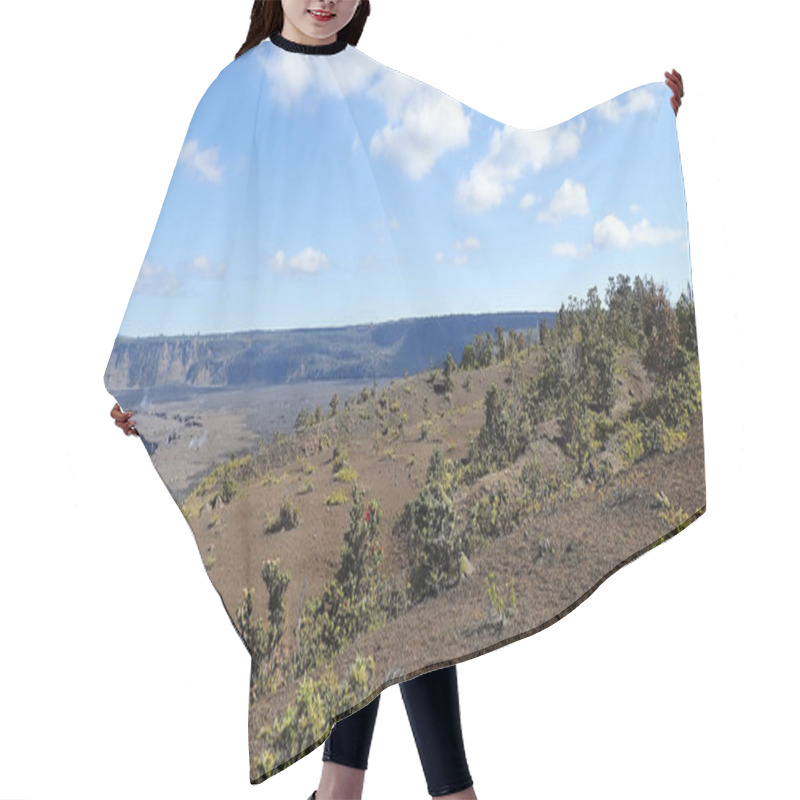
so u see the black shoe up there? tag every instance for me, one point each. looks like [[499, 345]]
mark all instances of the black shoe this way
[[313, 795]]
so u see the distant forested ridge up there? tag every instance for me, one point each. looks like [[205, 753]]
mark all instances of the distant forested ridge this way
[[372, 350]]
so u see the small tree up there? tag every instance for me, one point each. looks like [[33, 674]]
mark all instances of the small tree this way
[[303, 419], [661, 330], [434, 546], [501, 343], [544, 331], [469, 359], [448, 369], [504, 434]]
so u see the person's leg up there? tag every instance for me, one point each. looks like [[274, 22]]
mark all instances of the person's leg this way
[[433, 710], [345, 755]]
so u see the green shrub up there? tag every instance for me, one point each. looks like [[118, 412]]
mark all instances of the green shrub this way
[[424, 428], [531, 475], [493, 515], [336, 498], [306, 720], [441, 470], [286, 519], [631, 442], [264, 643], [433, 545], [346, 474], [228, 488], [355, 600], [500, 612], [677, 399], [578, 425], [504, 435]]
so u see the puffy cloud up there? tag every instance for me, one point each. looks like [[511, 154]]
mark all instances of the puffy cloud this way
[[512, 153], [424, 124], [153, 279], [202, 267], [612, 233], [637, 100], [202, 163], [469, 243], [309, 260], [570, 250], [292, 78], [569, 200], [462, 248]]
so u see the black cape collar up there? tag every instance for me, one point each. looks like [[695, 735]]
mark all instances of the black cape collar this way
[[311, 49]]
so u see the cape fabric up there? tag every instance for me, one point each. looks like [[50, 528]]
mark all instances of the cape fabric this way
[[419, 381]]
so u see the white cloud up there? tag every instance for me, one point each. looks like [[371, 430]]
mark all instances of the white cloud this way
[[309, 260], [423, 125], [203, 267], [569, 200], [291, 78], [637, 100], [527, 200], [570, 250], [153, 279], [644, 233], [354, 75], [512, 152], [201, 162], [469, 243], [612, 233], [463, 248]]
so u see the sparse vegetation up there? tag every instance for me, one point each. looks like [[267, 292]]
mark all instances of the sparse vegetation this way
[[500, 613], [551, 410], [286, 519], [428, 525], [345, 474], [306, 720], [264, 642], [356, 599], [336, 498], [503, 437]]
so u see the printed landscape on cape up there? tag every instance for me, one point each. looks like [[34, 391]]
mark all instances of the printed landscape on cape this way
[[419, 381]]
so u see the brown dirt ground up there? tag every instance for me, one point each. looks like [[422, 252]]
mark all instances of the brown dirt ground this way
[[592, 535]]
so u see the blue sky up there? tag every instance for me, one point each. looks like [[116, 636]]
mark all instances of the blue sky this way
[[316, 190]]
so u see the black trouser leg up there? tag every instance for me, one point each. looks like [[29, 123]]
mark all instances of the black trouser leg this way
[[351, 737], [433, 710], [432, 706]]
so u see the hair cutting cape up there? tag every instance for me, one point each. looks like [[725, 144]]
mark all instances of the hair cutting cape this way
[[419, 381]]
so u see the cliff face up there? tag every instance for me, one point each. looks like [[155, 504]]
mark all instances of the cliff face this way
[[277, 357], [156, 361]]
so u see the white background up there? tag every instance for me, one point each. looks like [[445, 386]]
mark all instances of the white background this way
[[120, 674]]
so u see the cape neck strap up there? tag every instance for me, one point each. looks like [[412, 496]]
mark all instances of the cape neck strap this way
[[311, 49]]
